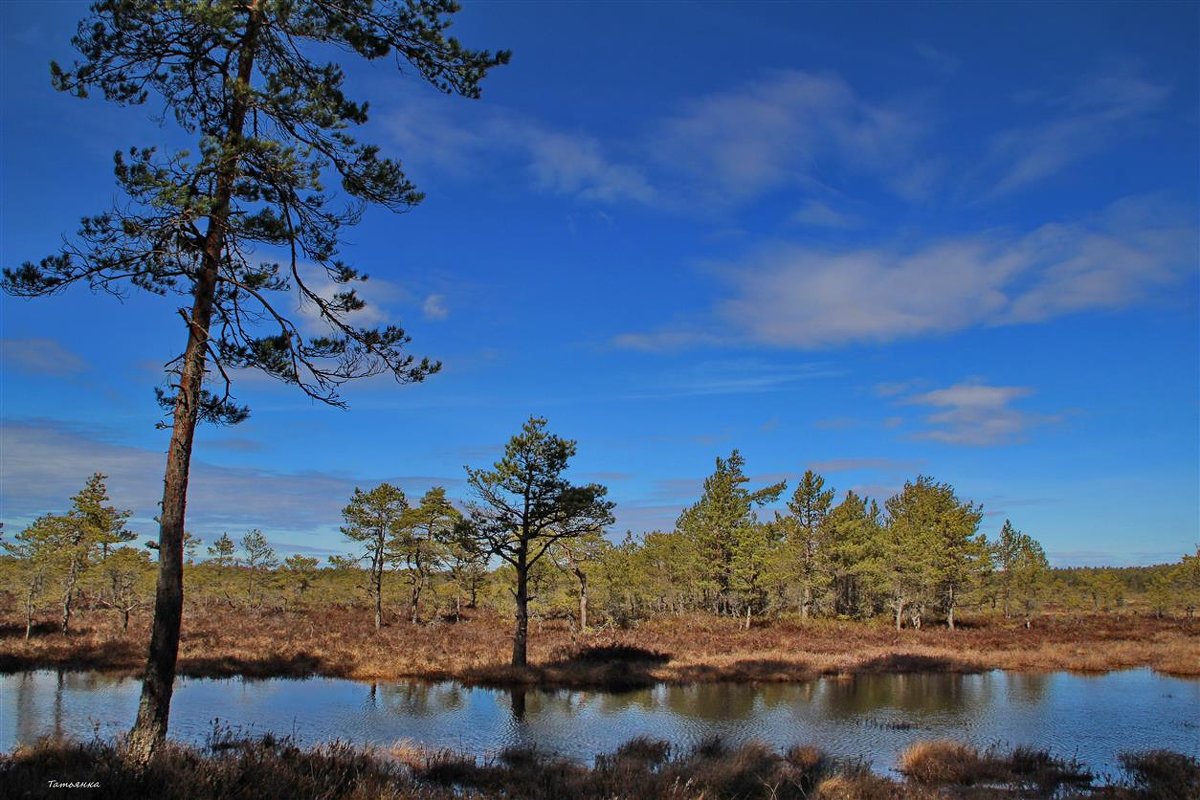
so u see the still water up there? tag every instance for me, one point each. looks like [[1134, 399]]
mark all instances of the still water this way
[[1092, 718]]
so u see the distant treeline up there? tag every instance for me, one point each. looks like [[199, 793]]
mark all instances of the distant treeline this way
[[919, 557]]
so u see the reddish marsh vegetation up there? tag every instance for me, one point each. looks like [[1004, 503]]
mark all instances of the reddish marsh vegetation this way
[[270, 768], [341, 642]]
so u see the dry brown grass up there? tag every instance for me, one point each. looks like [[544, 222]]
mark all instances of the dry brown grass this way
[[939, 761], [338, 642], [273, 769]]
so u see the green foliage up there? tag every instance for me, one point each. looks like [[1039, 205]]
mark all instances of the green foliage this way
[[38, 551], [525, 505], [581, 558], [466, 564], [272, 128], [259, 565], [125, 581], [854, 553], [222, 552], [101, 526], [668, 566], [803, 561], [727, 535], [1022, 570], [421, 543], [299, 573], [933, 553], [1186, 580], [374, 519]]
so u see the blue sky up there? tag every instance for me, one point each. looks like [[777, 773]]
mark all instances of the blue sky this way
[[871, 240]]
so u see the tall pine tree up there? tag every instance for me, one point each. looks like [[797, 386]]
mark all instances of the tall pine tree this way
[[271, 125], [720, 526]]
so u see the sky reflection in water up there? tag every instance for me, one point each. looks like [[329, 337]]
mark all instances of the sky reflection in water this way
[[1092, 718]]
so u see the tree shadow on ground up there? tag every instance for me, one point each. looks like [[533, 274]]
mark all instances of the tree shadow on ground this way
[[295, 665], [746, 670], [613, 667], [914, 662]]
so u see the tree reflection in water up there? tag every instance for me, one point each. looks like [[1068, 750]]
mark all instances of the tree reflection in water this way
[[1093, 718]]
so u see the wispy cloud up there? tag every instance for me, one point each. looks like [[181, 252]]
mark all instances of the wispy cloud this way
[[736, 376], [769, 134], [1081, 124], [818, 214], [837, 423], [976, 414], [712, 151], [40, 357], [942, 62], [855, 464], [560, 162], [802, 297], [379, 294], [785, 131], [45, 462], [434, 307]]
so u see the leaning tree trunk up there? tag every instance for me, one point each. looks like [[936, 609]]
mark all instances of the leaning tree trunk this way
[[69, 595], [154, 708], [583, 599]]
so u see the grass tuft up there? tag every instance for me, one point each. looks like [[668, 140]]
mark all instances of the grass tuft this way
[[1163, 774]]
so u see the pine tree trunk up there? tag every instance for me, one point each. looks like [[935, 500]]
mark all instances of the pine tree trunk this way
[[899, 614], [29, 614], [69, 594], [583, 599], [521, 635], [154, 708], [416, 599], [950, 617], [377, 586]]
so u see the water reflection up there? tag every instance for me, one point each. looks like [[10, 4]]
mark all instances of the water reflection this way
[[875, 716], [517, 697]]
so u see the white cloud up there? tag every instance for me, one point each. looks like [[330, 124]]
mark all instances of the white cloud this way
[[976, 414], [803, 297], [40, 357], [378, 294], [574, 164], [434, 307]]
